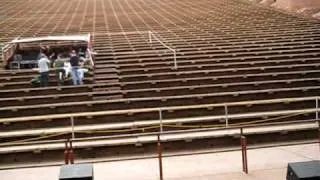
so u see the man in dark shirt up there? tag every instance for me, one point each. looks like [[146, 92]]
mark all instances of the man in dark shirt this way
[[75, 68]]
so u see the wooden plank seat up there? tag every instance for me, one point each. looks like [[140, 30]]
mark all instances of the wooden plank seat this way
[[27, 84], [44, 91], [219, 55], [159, 92], [196, 35], [55, 108], [197, 64], [216, 72], [23, 72], [191, 34], [155, 60], [167, 58], [149, 48], [242, 32], [258, 57], [203, 47], [212, 46], [227, 87], [180, 43], [19, 78], [213, 79], [54, 98]]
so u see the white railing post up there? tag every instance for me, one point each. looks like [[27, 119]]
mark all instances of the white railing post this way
[[160, 118], [2, 52], [150, 36], [317, 110], [72, 127], [175, 59], [317, 106], [226, 114]]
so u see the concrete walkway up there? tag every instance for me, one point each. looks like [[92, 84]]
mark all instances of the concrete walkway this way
[[267, 163]]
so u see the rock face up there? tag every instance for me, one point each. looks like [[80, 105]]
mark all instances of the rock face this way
[[294, 5], [317, 15], [307, 8], [267, 2]]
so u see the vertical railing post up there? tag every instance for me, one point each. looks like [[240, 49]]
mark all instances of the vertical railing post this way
[[2, 53], [150, 36], [66, 153], [159, 149], [71, 153], [175, 59], [72, 127], [317, 119], [160, 121], [226, 114], [243, 141], [319, 133], [317, 108]]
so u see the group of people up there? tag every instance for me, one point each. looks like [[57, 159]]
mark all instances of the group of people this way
[[63, 66]]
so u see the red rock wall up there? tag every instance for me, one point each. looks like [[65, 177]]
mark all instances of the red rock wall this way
[[297, 4]]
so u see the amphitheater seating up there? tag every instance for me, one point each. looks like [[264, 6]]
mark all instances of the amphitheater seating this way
[[253, 58]]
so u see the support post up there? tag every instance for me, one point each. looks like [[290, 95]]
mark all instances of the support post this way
[[72, 127], [243, 140], [319, 133], [175, 59], [226, 114], [317, 119], [317, 108], [66, 153], [150, 36], [160, 118], [159, 149], [71, 155]]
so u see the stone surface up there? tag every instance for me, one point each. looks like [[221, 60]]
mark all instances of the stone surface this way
[[298, 4], [267, 163]]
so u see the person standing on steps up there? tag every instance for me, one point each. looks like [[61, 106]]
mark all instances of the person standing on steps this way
[[43, 65], [75, 68], [60, 71]]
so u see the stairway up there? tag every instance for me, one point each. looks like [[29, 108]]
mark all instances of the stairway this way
[[106, 78]]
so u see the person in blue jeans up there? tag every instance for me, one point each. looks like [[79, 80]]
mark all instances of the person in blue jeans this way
[[43, 65], [75, 68]]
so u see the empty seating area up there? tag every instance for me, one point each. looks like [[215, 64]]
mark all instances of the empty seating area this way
[[234, 57]]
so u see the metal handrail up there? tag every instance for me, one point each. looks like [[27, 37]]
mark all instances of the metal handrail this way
[[240, 128], [152, 35], [160, 110]]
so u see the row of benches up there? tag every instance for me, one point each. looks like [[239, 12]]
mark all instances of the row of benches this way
[[105, 122]]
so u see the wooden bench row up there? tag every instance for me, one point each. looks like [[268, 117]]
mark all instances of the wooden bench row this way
[[159, 92], [148, 102], [223, 80]]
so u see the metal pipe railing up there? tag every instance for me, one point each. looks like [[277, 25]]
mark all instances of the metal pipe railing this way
[[151, 35], [136, 135]]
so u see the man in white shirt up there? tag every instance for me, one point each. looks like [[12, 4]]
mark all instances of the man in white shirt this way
[[43, 65]]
